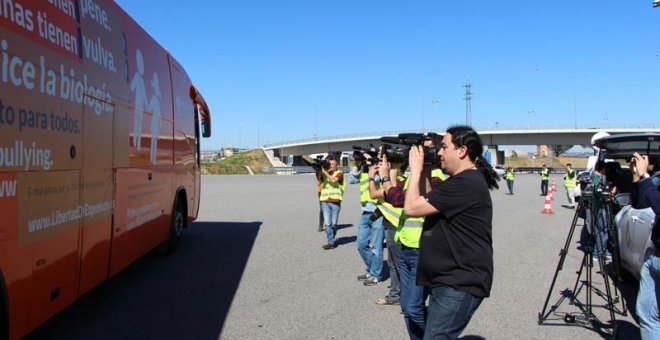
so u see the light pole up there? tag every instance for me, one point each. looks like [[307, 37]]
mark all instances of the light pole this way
[[437, 101], [316, 120], [240, 129], [575, 101], [423, 106], [258, 131]]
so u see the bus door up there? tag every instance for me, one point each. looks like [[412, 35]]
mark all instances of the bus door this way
[[97, 195]]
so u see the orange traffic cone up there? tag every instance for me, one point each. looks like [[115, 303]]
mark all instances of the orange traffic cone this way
[[547, 208], [552, 198], [553, 185]]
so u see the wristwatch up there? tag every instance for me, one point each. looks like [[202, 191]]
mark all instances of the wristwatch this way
[[385, 179], [644, 176], [371, 179]]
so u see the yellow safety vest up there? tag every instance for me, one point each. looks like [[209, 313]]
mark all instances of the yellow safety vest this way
[[545, 174], [510, 176], [332, 191], [364, 189], [391, 213], [409, 229], [570, 182]]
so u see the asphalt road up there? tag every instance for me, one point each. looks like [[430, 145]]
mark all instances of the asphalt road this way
[[252, 267]]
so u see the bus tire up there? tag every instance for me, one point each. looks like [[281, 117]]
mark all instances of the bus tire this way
[[178, 223]]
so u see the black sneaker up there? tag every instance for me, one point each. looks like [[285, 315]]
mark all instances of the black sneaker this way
[[387, 301], [364, 277], [372, 281], [328, 246]]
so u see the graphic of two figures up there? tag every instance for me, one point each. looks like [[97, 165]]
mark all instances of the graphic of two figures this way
[[142, 105]]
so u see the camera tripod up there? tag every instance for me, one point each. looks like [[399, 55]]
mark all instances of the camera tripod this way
[[586, 317]]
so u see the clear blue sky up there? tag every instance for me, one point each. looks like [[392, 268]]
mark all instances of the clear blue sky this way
[[281, 70]]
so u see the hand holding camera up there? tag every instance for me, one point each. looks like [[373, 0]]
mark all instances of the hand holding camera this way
[[639, 164]]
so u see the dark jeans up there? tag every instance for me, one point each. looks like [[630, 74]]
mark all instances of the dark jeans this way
[[393, 253], [449, 312], [544, 187], [413, 297], [509, 184]]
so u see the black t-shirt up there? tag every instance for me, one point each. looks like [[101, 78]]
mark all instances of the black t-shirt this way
[[456, 247]]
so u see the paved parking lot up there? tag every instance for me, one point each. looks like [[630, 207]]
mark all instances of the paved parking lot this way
[[252, 267]]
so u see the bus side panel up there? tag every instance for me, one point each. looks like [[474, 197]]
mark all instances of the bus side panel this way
[[143, 213], [184, 137], [15, 259], [49, 220]]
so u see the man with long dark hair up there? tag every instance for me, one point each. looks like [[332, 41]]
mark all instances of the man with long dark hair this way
[[456, 251]]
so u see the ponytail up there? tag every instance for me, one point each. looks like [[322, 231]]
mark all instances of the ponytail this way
[[488, 172]]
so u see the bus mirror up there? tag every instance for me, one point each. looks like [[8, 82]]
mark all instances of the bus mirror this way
[[206, 128], [206, 124]]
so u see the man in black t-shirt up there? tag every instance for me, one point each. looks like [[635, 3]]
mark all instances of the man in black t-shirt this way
[[456, 252]]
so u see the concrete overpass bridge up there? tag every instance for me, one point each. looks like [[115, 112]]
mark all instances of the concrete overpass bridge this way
[[560, 137]]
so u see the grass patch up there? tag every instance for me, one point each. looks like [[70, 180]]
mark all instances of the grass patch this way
[[235, 165]]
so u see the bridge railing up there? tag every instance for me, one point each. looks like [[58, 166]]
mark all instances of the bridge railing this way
[[295, 170], [479, 129]]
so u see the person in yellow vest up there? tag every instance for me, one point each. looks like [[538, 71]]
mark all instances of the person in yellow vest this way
[[407, 234], [390, 222], [332, 193], [456, 245], [545, 176], [319, 187], [570, 183], [510, 178], [370, 232]]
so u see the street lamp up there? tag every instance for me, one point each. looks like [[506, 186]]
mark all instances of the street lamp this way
[[437, 101], [258, 131], [656, 3]]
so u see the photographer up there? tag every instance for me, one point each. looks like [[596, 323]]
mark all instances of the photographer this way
[[456, 252], [648, 195], [332, 193], [596, 222], [390, 221], [408, 232], [370, 228]]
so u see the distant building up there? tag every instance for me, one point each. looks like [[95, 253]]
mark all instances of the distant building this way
[[543, 150]]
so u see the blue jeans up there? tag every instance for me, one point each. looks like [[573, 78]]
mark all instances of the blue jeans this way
[[330, 217], [449, 312], [647, 299], [413, 296], [509, 184], [393, 253], [370, 244], [544, 187]]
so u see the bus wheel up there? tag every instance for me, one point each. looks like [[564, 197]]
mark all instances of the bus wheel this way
[[176, 227]]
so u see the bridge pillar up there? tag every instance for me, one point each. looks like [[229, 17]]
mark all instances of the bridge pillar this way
[[492, 155]]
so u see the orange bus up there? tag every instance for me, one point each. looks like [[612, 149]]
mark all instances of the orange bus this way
[[99, 152]]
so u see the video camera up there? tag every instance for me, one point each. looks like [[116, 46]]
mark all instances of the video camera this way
[[319, 162], [363, 162], [399, 154]]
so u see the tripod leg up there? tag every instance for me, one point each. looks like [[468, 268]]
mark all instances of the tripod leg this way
[[562, 257], [579, 275], [608, 292]]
